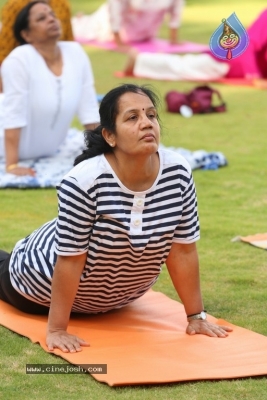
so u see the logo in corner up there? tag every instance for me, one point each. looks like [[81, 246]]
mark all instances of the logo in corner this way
[[230, 39]]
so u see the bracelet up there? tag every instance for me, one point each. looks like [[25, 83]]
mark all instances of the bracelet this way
[[11, 166], [192, 315]]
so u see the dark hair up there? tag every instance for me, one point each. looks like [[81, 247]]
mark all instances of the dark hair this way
[[22, 21], [108, 110]]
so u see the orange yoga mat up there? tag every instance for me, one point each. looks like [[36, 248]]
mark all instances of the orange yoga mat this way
[[258, 240], [146, 343]]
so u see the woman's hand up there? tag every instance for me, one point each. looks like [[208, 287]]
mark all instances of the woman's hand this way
[[121, 46], [21, 171], [64, 341], [66, 278], [207, 328]]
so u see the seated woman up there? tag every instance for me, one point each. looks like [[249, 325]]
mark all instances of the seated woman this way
[[115, 229], [9, 12], [46, 82], [127, 21], [252, 64]]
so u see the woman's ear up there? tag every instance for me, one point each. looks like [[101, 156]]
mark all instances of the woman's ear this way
[[25, 35], [109, 137]]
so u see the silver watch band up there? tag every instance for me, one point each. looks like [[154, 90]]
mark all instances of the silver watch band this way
[[201, 316]]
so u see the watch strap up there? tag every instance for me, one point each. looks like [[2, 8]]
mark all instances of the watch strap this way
[[192, 315], [202, 316]]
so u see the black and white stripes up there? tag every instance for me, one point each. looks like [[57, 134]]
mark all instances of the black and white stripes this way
[[127, 235]]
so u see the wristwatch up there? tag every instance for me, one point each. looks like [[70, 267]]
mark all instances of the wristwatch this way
[[201, 316]]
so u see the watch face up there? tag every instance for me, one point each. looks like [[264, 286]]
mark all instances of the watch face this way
[[203, 315]]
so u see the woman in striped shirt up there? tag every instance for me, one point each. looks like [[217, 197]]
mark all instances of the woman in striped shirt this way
[[125, 209]]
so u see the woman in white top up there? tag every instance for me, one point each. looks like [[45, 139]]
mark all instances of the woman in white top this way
[[46, 83]]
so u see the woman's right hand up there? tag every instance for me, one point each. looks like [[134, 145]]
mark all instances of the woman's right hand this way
[[65, 342], [21, 171], [65, 282]]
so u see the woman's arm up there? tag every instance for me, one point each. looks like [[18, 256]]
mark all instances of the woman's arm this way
[[16, 98], [88, 107], [174, 35], [66, 278], [183, 267], [176, 11], [12, 137], [117, 10]]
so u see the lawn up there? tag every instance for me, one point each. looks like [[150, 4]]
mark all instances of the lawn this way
[[232, 201]]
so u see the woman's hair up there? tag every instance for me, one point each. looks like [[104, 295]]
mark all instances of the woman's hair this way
[[108, 110], [22, 21]]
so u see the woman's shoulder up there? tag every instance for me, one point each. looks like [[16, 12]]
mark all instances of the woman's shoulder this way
[[21, 51], [86, 173], [170, 157], [20, 55]]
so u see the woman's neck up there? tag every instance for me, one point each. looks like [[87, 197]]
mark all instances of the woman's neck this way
[[52, 56], [137, 175]]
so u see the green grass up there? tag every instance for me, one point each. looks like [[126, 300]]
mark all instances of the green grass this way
[[232, 201]]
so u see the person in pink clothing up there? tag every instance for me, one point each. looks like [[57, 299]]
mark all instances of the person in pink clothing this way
[[252, 64], [140, 20], [126, 21]]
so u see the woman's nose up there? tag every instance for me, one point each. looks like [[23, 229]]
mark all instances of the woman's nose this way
[[51, 17], [146, 120]]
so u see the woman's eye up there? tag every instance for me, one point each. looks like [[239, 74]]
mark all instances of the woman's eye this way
[[41, 18]]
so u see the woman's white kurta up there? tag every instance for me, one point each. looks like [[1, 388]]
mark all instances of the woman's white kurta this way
[[43, 104]]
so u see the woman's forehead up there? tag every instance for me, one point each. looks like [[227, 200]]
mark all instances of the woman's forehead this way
[[132, 100], [38, 8]]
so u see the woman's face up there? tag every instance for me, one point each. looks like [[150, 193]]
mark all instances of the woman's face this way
[[43, 24], [137, 127]]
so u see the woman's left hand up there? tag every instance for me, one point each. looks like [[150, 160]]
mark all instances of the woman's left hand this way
[[207, 328]]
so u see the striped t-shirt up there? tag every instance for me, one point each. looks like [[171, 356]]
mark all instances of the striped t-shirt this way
[[127, 235]]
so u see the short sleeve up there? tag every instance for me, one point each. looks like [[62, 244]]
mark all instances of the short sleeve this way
[[76, 215], [15, 92], [187, 231]]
